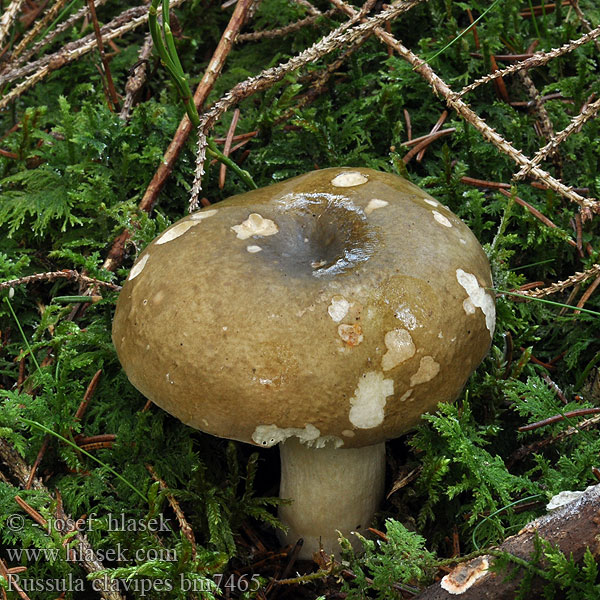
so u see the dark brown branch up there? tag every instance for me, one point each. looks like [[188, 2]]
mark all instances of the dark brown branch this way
[[573, 529]]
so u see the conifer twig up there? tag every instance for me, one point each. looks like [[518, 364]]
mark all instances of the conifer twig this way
[[560, 286], [126, 21], [30, 35], [186, 528], [54, 275], [268, 34], [136, 78], [15, 68], [537, 60], [8, 17], [588, 112]]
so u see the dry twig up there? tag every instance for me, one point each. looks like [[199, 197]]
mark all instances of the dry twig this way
[[48, 39], [560, 286], [54, 275], [8, 17], [588, 112], [537, 60], [282, 31], [126, 21], [137, 78], [213, 70]]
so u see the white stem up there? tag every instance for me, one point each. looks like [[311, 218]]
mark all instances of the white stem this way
[[331, 490]]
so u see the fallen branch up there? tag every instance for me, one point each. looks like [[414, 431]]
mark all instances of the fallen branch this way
[[8, 17], [537, 60], [126, 21], [573, 529]]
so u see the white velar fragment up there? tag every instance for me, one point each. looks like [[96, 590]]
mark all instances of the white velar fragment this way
[[403, 314], [175, 231], [374, 205], [253, 249], [478, 297], [400, 347], [432, 202], [349, 179], [203, 214], [441, 219], [257, 225], [139, 265], [368, 404], [338, 308], [428, 369], [269, 435]]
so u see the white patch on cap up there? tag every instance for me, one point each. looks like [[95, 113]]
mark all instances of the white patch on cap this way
[[139, 265], [349, 179], [338, 308], [441, 219], [432, 202], [469, 306], [478, 297], [404, 315], [462, 577], [462, 241], [203, 214], [269, 435], [406, 395], [400, 347], [348, 433], [374, 205], [255, 224], [175, 231], [253, 249], [428, 369], [367, 405], [351, 334]]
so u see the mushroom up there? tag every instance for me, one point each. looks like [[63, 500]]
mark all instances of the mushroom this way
[[326, 314]]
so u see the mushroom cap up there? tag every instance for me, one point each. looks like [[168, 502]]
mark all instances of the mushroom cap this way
[[338, 307]]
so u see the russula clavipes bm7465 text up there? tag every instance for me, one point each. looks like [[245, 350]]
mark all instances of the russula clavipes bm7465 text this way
[[326, 314]]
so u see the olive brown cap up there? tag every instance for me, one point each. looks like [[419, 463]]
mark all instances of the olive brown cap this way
[[336, 308]]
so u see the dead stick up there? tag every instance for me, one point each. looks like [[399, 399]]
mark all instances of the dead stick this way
[[556, 418], [573, 529], [89, 392], [227, 147], [113, 99], [54, 275]]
